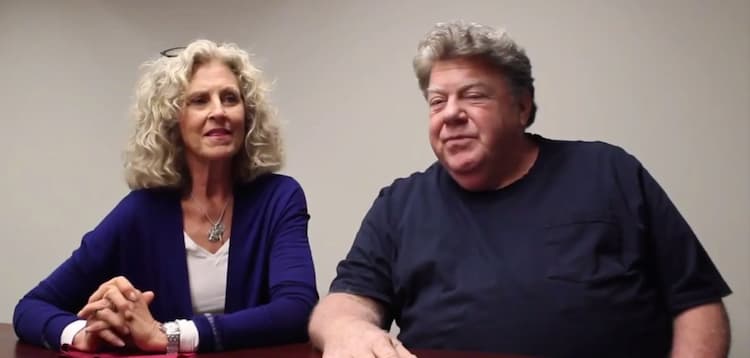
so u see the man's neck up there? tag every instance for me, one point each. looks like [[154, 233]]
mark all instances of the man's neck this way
[[511, 168], [510, 164]]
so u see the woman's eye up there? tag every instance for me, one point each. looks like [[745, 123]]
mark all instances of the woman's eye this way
[[198, 100], [232, 99]]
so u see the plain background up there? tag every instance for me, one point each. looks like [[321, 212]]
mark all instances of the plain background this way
[[667, 80]]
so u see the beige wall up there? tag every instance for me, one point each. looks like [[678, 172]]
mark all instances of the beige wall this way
[[667, 80]]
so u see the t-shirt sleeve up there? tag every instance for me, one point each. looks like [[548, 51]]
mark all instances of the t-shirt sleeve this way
[[683, 269], [367, 268]]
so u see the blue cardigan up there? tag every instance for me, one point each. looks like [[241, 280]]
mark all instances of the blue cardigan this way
[[270, 279]]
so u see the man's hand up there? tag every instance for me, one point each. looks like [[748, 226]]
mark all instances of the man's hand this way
[[361, 339], [344, 325]]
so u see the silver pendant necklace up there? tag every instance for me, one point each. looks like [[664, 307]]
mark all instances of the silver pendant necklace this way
[[216, 232]]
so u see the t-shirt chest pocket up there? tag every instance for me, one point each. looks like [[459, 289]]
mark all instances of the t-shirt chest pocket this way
[[584, 248]]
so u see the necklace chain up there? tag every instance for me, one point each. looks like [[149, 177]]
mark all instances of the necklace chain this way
[[216, 232]]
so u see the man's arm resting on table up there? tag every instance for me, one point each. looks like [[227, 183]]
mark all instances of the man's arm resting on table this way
[[701, 331], [338, 312]]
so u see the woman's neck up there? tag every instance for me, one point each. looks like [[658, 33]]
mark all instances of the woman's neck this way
[[211, 182]]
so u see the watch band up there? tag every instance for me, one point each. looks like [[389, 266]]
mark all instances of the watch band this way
[[172, 331]]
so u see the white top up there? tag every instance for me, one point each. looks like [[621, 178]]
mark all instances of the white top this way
[[207, 274]]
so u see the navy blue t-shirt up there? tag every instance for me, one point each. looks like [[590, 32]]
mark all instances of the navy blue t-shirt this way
[[583, 256]]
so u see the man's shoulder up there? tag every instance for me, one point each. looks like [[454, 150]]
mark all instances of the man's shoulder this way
[[582, 146], [587, 151], [416, 182]]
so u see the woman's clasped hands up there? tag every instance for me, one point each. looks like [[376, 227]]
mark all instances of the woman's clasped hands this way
[[117, 314]]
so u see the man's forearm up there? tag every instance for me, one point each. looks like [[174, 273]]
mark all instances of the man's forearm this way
[[701, 331], [336, 310]]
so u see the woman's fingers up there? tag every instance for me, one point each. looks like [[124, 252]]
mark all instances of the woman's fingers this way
[[107, 319], [401, 350], [91, 308], [120, 283], [118, 300], [112, 299], [95, 326], [110, 337]]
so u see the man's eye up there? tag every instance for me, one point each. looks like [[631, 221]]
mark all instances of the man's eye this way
[[475, 95]]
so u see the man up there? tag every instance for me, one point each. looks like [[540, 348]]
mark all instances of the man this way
[[516, 243]]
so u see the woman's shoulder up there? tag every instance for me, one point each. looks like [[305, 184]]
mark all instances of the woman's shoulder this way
[[150, 196], [140, 200], [272, 182], [269, 188]]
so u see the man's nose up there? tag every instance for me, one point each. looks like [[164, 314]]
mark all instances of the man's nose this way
[[453, 112]]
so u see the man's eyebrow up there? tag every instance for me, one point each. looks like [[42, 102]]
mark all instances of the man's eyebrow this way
[[476, 84], [433, 90]]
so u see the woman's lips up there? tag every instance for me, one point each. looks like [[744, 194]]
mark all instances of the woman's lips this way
[[218, 132]]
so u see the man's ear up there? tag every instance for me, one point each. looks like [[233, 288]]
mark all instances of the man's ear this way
[[524, 103]]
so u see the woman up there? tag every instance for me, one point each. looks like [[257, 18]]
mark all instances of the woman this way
[[209, 251]]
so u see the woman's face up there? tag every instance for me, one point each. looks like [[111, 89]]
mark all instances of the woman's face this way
[[212, 119]]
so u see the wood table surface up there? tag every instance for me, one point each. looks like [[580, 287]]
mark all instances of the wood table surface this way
[[11, 347]]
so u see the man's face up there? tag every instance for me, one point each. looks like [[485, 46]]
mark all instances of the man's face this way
[[473, 113]]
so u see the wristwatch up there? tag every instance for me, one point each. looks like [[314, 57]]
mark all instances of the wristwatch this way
[[172, 330]]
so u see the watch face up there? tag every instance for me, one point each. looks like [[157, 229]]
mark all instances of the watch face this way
[[172, 331], [170, 328]]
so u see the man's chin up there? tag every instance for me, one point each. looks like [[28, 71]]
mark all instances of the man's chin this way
[[471, 180], [461, 166]]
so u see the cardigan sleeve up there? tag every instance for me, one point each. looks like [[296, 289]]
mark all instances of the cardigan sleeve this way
[[292, 291], [41, 315]]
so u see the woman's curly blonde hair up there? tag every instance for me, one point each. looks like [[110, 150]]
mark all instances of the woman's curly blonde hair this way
[[155, 152]]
